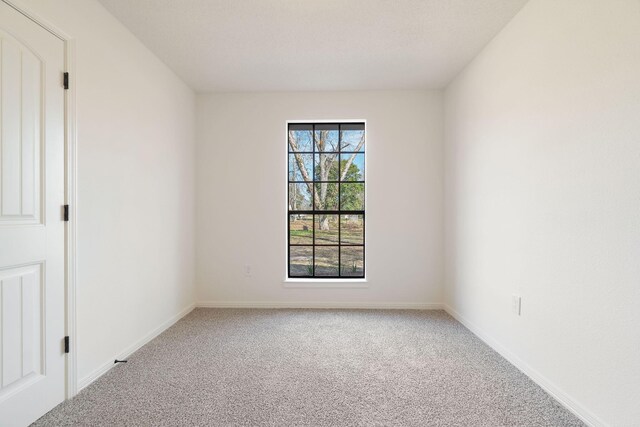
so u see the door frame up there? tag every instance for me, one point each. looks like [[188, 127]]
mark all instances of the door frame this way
[[70, 191]]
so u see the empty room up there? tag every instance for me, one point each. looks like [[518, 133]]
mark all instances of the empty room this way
[[320, 213]]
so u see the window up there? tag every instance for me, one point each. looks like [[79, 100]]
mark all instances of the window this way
[[326, 216]]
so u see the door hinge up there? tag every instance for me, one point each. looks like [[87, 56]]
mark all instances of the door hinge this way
[[66, 344], [66, 80], [66, 212]]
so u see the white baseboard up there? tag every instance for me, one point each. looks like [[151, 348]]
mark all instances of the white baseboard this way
[[328, 305], [547, 385], [102, 369]]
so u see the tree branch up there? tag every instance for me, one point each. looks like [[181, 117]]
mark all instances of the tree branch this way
[[353, 156], [302, 167]]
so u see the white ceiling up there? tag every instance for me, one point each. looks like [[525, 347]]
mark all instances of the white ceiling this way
[[272, 45]]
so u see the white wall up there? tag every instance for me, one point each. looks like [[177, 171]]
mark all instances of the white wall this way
[[241, 213], [542, 198], [136, 155]]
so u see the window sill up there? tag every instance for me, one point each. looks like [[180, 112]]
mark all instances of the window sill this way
[[325, 283]]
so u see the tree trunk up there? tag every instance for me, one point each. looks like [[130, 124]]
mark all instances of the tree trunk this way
[[324, 223]]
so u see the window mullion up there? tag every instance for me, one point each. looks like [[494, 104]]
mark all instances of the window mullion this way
[[339, 203], [313, 200]]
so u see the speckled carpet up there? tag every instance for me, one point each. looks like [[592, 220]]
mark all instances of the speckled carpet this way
[[233, 367]]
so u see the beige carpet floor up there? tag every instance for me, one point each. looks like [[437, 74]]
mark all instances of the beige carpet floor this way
[[233, 367]]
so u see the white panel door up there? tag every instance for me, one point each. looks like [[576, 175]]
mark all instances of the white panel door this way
[[32, 359]]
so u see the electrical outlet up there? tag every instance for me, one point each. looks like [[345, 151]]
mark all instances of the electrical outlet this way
[[247, 270], [516, 304]]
